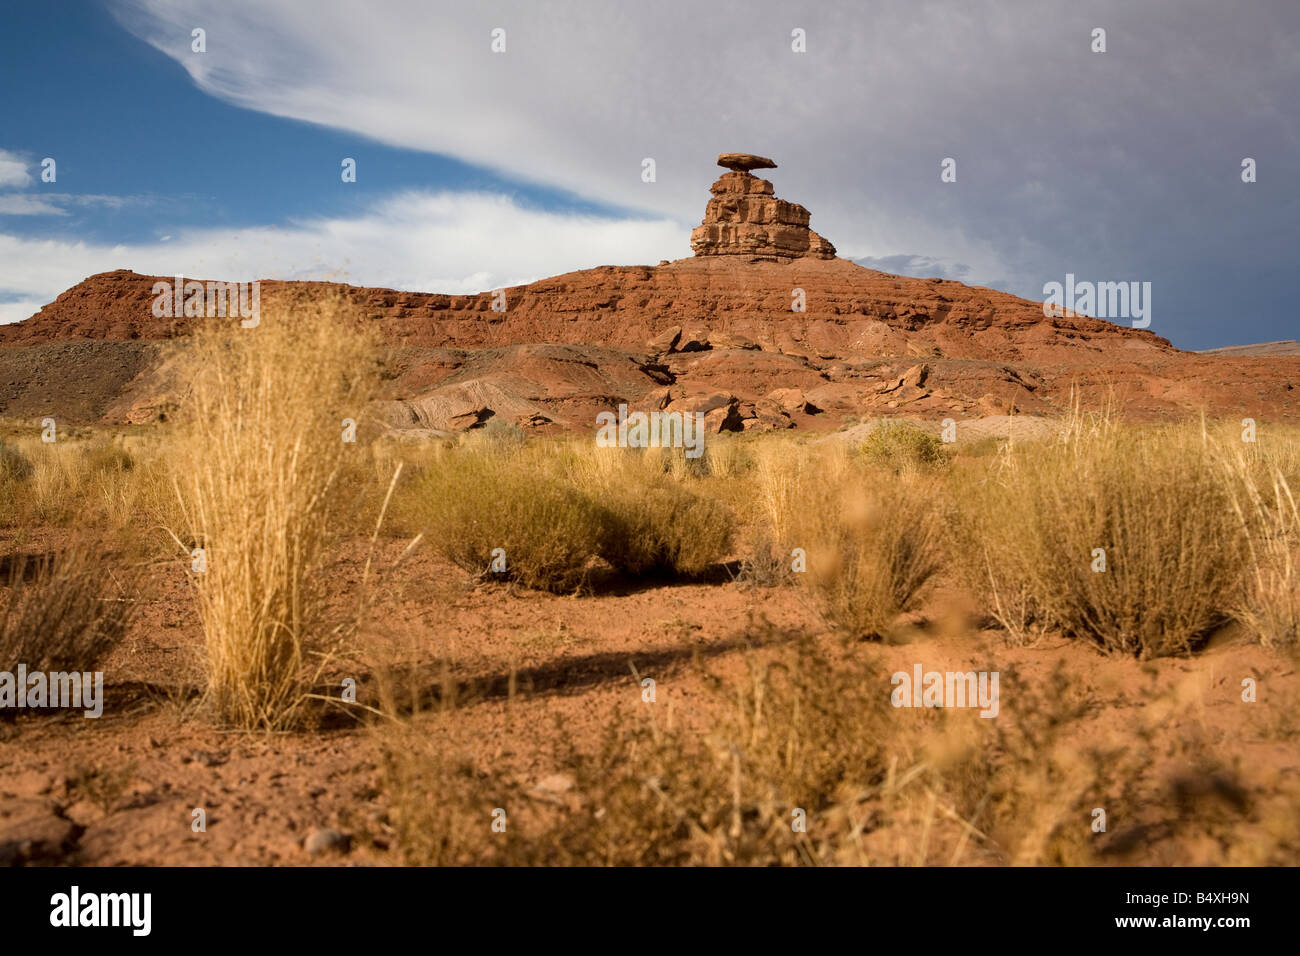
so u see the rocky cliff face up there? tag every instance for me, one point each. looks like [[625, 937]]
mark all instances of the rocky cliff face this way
[[744, 217], [846, 310]]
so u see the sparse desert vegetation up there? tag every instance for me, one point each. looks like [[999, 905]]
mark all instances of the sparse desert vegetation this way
[[769, 591], [499, 602], [1122, 536], [64, 611]]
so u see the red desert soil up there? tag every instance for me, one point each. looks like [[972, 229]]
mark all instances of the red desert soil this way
[[571, 658]]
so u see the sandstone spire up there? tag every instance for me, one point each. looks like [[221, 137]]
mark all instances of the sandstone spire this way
[[744, 217]]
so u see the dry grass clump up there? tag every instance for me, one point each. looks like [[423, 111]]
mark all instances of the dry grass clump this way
[[654, 523], [255, 472], [554, 509], [1149, 506], [1266, 505], [62, 612], [868, 540], [663, 527], [773, 501], [80, 479], [477, 500], [872, 547], [15, 469], [785, 474], [14, 466], [902, 446]]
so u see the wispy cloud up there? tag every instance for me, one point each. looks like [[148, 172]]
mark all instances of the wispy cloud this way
[[14, 174], [920, 266], [18, 204], [56, 204]]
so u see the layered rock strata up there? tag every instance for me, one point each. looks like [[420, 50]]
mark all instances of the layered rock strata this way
[[745, 218]]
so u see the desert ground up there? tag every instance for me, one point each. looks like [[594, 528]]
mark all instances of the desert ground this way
[[503, 715]]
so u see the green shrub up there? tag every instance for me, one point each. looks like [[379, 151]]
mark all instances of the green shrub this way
[[901, 445], [473, 502], [664, 527]]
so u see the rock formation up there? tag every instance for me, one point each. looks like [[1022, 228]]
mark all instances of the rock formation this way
[[744, 217], [714, 332]]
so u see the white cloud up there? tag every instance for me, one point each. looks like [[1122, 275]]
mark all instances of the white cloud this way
[[19, 309], [13, 171], [17, 204], [446, 242]]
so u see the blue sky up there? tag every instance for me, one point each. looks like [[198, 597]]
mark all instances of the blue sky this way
[[123, 119], [478, 169]]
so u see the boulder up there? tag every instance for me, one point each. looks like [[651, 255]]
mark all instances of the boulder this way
[[666, 340], [792, 400], [914, 377], [764, 415], [725, 418], [657, 399], [744, 162], [694, 340], [721, 410], [730, 340], [702, 402]]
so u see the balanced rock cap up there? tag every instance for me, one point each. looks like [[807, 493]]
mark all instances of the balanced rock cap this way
[[745, 218], [744, 162]]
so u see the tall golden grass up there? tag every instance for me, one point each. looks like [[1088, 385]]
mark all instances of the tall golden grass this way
[[1265, 503], [868, 536], [85, 477], [1196, 528], [256, 468]]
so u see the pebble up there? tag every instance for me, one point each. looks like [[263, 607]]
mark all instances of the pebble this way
[[327, 840]]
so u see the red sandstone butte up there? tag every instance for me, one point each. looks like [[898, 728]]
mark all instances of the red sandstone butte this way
[[721, 322]]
